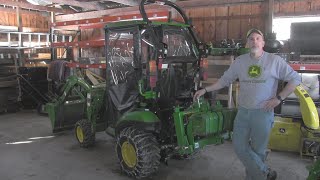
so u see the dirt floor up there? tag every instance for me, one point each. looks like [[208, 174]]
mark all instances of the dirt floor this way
[[41, 155]]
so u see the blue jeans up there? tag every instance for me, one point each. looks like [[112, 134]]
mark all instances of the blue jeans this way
[[250, 139]]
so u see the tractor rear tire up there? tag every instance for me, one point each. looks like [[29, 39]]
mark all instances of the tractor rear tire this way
[[84, 134], [138, 152]]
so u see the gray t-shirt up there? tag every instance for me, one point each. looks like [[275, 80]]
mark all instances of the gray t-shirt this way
[[258, 78]]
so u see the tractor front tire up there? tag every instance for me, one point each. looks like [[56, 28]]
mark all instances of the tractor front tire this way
[[138, 152], [84, 134]]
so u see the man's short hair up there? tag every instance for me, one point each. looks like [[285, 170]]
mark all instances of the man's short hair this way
[[254, 30]]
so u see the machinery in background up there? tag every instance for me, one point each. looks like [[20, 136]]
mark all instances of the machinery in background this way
[[272, 45], [234, 47], [146, 103], [297, 133], [227, 47]]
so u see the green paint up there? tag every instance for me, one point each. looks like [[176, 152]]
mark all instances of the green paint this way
[[139, 116]]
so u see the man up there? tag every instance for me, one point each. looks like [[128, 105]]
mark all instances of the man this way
[[258, 73]]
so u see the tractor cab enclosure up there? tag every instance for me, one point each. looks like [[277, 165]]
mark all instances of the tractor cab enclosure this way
[[141, 72]]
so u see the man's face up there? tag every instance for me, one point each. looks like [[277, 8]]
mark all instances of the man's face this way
[[255, 42]]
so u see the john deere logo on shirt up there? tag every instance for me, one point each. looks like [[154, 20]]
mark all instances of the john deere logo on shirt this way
[[254, 71]]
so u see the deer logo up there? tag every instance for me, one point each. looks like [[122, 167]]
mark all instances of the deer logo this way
[[254, 71]]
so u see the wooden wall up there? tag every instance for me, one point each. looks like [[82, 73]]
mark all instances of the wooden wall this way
[[33, 20], [215, 23], [297, 8], [230, 21]]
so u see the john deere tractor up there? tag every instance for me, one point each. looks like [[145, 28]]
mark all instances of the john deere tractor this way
[[153, 70]]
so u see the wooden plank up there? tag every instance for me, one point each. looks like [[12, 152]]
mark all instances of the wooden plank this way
[[198, 12], [286, 7], [34, 7], [188, 12], [245, 23], [2, 21], [206, 3], [7, 18], [198, 28], [33, 21], [10, 10], [315, 5], [192, 13], [276, 7], [92, 34], [226, 58], [234, 25], [258, 9], [302, 6], [25, 20], [127, 2], [198, 22], [209, 25], [12, 19], [109, 12], [201, 24], [220, 60], [221, 25], [40, 22]]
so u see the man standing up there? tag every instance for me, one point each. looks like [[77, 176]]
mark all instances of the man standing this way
[[258, 73]]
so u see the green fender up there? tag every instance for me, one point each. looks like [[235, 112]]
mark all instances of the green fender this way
[[143, 119]]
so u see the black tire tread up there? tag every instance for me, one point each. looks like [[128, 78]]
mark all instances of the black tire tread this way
[[148, 152], [89, 136]]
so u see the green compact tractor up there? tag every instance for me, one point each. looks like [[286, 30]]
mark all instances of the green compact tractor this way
[[146, 103]]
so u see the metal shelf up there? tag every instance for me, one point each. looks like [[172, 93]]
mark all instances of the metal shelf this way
[[306, 67], [15, 40]]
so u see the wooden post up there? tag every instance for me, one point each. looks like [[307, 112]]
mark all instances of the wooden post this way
[[52, 38], [19, 20], [21, 61], [268, 28]]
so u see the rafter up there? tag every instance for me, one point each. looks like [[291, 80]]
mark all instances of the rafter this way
[[34, 7], [127, 2], [84, 5], [118, 11]]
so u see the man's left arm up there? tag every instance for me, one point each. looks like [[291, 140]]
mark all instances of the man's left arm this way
[[286, 73], [287, 90]]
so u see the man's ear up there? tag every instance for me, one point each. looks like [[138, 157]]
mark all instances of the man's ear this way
[[263, 43]]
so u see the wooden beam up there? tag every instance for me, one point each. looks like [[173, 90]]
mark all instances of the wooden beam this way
[[19, 19], [34, 7], [295, 14], [113, 12], [84, 5], [154, 8], [127, 2], [205, 3], [22, 11], [135, 9]]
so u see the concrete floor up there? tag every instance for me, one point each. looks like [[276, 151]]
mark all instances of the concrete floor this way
[[60, 157]]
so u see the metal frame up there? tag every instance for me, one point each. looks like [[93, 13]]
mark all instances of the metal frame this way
[[19, 44]]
